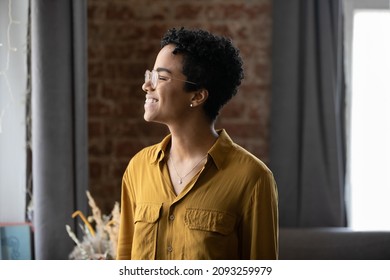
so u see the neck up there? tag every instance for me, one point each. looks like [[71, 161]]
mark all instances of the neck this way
[[192, 141]]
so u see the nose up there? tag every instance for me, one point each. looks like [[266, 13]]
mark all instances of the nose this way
[[147, 86], [144, 87]]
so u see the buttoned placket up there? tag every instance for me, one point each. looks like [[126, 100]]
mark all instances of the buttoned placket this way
[[171, 218], [165, 180]]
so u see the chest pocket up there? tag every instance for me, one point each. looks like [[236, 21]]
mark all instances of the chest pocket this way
[[147, 213], [210, 220], [146, 218]]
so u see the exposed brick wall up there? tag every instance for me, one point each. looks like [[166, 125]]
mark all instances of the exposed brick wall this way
[[124, 37]]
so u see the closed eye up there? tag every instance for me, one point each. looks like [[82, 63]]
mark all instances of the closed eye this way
[[163, 78]]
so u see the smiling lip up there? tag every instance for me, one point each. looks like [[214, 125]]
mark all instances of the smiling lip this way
[[150, 100]]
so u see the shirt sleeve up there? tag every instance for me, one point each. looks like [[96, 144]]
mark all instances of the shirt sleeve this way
[[259, 225], [126, 228]]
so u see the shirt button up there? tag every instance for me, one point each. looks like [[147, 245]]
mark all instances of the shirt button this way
[[170, 249], [172, 217]]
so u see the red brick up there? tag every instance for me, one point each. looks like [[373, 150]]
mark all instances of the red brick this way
[[119, 12], [95, 70], [100, 108], [235, 109], [100, 148], [95, 128], [127, 148], [95, 169], [188, 11]]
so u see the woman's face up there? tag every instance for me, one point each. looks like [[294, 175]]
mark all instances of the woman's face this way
[[168, 102]]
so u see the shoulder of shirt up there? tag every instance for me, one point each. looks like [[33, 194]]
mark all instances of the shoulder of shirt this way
[[236, 156], [250, 158]]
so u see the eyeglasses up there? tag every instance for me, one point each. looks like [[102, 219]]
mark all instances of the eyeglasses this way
[[153, 77]]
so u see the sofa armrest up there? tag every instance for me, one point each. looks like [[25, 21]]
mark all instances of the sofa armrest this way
[[333, 244]]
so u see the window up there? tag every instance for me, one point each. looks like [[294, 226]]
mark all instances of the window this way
[[13, 101], [368, 62]]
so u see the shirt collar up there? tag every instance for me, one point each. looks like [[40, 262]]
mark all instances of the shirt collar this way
[[221, 148], [218, 151], [159, 152]]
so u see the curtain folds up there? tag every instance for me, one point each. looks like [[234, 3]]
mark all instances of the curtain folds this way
[[307, 145], [59, 122]]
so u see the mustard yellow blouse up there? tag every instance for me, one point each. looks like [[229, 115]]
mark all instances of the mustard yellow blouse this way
[[228, 211]]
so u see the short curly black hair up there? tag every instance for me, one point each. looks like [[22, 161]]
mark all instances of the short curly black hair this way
[[209, 60]]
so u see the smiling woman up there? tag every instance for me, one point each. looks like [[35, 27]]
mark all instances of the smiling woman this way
[[196, 194]]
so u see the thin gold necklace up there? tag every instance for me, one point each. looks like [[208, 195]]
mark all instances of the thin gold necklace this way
[[192, 169]]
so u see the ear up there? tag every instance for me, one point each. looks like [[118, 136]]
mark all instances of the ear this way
[[199, 97]]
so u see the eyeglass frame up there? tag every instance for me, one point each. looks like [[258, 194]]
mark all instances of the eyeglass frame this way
[[149, 77]]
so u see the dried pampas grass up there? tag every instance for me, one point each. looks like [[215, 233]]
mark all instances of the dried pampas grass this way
[[99, 242]]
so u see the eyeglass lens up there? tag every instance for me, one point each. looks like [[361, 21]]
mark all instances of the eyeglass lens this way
[[151, 76]]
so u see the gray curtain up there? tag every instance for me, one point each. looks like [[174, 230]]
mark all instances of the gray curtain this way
[[307, 145], [59, 122]]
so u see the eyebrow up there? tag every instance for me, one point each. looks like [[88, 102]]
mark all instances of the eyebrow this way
[[161, 69]]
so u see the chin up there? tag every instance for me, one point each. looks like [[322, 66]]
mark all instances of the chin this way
[[149, 118], [153, 120]]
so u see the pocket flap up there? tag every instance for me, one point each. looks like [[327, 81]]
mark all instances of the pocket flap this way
[[210, 220], [147, 213]]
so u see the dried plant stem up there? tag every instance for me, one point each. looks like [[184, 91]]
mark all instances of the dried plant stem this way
[[78, 212]]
